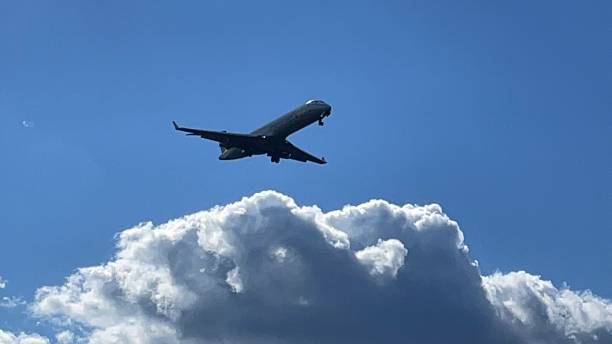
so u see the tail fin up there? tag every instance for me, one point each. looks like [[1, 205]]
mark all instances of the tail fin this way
[[176, 127]]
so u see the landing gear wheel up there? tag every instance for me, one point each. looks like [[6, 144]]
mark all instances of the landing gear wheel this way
[[321, 121], [275, 159]]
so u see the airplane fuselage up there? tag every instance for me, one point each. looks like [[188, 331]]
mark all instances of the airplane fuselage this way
[[279, 129], [296, 119]]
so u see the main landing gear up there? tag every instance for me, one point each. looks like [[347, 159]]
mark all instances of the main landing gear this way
[[275, 159]]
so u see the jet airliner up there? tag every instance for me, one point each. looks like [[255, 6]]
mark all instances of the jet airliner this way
[[271, 139]]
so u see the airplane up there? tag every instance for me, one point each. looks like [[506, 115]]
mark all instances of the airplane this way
[[271, 139]]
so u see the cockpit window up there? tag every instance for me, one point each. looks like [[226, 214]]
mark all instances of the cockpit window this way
[[313, 101]]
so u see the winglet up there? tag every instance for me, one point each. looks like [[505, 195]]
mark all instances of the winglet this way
[[323, 159], [175, 125]]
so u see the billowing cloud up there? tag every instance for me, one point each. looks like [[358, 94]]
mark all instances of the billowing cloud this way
[[384, 259], [534, 306], [7, 337], [264, 270], [2, 283], [65, 337]]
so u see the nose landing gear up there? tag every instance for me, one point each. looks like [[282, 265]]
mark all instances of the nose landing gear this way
[[323, 115]]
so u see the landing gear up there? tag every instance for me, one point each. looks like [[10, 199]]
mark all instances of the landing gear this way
[[321, 121], [275, 159]]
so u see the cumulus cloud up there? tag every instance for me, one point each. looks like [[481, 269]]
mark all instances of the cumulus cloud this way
[[65, 337], [537, 307], [2, 283], [383, 259], [265, 270], [7, 337]]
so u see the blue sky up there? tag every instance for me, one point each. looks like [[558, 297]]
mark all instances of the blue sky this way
[[499, 111]]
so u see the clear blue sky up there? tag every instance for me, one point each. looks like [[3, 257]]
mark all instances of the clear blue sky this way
[[499, 111]]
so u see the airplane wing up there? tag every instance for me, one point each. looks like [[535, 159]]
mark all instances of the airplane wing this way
[[250, 141], [300, 155], [229, 139]]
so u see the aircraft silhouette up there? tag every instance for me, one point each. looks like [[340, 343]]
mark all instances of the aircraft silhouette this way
[[271, 139]]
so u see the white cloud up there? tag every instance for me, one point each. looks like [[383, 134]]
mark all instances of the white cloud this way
[[530, 303], [65, 337], [264, 270], [21, 338], [11, 302], [234, 281], [384, 258]]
